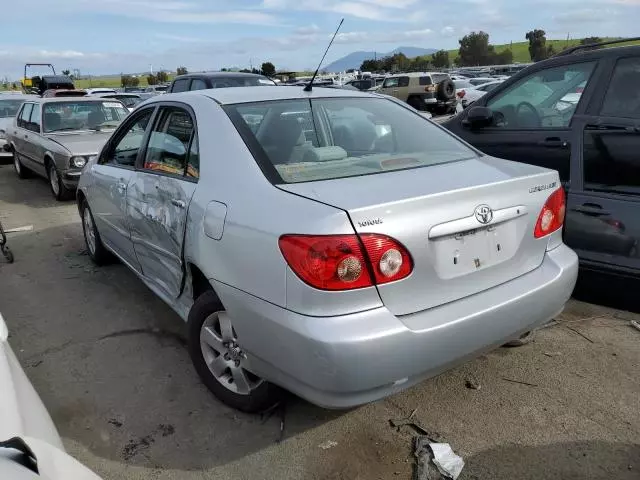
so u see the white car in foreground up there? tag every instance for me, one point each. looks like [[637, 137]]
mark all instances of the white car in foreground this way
[[30, 447]]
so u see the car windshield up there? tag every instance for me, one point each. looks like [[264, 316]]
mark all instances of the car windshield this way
[[68, 116], [322, 139], [128, 101], [9, 108]]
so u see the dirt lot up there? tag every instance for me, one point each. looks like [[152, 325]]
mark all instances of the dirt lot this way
[[109, 361]]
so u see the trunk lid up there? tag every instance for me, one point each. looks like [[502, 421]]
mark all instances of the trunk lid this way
[[432, 212]]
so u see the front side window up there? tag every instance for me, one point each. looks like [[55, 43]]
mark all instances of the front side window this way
[[544, 99], [127, 145], [623, 94], [180, 86], [34, 122], [82, 115], [9, 108], [391, 82], [25, 115], [321, 139], [169, 142], [611, 160]]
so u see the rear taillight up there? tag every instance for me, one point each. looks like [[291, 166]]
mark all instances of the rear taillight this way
[[551, 217], [461, 93], [339, 262]]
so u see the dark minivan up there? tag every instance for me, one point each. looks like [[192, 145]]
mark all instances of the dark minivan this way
[[578, 113], [203, 81]]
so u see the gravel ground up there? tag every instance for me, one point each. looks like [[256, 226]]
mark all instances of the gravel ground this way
[[109, 362]]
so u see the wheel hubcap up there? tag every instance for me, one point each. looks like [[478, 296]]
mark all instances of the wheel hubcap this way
[[16, 162], [224, 356], [53, 175], [89, 234]]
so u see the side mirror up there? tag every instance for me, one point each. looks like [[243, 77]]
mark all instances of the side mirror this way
[[478, 117]]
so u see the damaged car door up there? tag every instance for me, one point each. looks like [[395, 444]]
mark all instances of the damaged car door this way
[[159, 196]]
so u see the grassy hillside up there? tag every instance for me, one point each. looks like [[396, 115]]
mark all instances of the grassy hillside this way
[[521, 49]]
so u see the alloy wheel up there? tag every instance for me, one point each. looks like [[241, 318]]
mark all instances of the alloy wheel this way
[[53, 178], [89, 233]]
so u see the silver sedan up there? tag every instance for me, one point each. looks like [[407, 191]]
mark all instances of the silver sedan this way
[[54, 137], [333, 243]]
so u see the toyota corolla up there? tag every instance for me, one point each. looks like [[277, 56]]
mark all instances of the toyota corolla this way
[[333, 243]]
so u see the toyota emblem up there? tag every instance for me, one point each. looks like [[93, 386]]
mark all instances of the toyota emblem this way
[[484, 214]]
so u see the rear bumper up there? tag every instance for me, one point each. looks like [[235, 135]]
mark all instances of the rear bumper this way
[[343, 361]]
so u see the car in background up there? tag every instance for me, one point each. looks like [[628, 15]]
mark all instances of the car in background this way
[[55, 137], [477, 81], [30, 446], [430, 91], [9, 107], [98, 91], [203, 81], [577, 113], [53, 93], [369, 83], [129, 100], [375, 249]]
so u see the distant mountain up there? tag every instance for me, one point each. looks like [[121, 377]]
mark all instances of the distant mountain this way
[[355, 59]]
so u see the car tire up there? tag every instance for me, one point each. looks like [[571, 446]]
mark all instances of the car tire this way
[[95, 248], [20, 169], [524, 339], [60, 192], [218, 360]]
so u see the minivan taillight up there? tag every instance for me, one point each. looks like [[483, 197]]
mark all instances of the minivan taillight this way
[[551, 216], [345, 262]]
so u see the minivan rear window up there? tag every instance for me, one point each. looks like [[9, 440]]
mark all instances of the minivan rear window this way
[[328, 138]]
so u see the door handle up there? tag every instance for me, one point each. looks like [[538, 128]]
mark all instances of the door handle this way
[[590, 209], [178, 203], [553, 142]]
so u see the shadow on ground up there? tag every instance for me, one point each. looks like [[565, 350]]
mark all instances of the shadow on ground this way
[[562, 461], [108, 358], [12, 190]]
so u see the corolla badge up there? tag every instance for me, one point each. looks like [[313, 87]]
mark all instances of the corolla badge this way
[[483, 213]]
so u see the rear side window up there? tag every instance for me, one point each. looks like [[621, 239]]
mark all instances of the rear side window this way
[[180, 85], [403, 82], [425, 81], [622, 98], [611, 160], [34, 122], [437, 78], [321, 139]]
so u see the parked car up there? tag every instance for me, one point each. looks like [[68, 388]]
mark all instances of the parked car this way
[[202, 81], [99, 91], [55, 137], [477, 81], [578, 113], [30, 446], [431, 91], [64, 93], [129, 100], [9, 106], [468, 95], [333, 242], [366, 83]]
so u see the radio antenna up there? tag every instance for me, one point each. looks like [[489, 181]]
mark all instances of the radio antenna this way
[[309, 86]]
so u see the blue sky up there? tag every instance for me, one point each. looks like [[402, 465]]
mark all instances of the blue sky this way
[[110, 36]]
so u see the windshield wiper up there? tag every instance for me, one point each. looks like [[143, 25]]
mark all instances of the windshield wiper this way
[[64, 129]]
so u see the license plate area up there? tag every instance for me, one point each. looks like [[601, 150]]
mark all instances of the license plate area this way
[[474, 250]]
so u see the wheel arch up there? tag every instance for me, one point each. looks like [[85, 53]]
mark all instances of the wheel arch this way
[[198, 281]]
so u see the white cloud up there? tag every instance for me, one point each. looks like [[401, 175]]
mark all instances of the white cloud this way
[[379, 10], [585, 15]]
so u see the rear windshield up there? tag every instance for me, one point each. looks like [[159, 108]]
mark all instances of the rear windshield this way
[[226, 82], [320, 139]]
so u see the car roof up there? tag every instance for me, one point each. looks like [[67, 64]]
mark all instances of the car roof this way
[[117, 94], [232, 95], [218, 75], [17, 96], [87, 99], [416, 74]]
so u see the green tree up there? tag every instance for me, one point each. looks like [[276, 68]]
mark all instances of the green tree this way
[[505, 57], [181, 71], [440, 59], [152, 79], [268, 69], [66, 72], [370, 66], [129, 81], [162, 77], [590, 40], [537, 45], [474, 50]]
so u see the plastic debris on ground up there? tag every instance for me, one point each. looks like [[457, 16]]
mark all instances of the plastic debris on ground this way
[[435, 461]]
